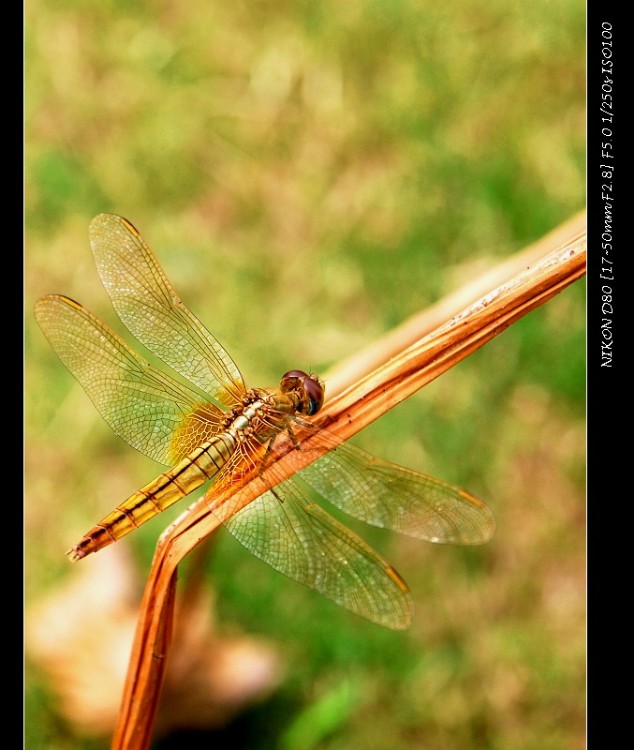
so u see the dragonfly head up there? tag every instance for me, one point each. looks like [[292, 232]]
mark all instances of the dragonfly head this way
[[310, 389]]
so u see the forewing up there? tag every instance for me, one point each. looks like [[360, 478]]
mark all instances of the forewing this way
[[390, 496], [152, 311]]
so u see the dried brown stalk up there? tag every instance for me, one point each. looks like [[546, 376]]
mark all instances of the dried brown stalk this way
[[361, 390]]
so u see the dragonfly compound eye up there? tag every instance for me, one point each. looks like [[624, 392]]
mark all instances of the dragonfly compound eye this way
[[311, 386]]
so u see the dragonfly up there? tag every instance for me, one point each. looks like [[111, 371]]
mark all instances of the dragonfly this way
[[216, 429]]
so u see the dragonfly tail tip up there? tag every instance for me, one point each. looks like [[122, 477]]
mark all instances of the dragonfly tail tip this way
[[74, 554]]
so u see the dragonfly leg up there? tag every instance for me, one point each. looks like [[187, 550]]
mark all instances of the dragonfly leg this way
[[292, 436], [277, 497]]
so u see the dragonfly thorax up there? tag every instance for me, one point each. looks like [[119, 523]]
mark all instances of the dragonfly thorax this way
[[262, 414], [265, 413]]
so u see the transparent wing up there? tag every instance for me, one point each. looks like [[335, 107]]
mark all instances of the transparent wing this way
[[390, 496], [146, 407], [298, 538], [152, 311]]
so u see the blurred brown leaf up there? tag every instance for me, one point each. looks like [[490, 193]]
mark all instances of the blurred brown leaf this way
[[80, 637]]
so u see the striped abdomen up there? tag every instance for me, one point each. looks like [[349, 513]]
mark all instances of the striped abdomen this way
[[198, 467]]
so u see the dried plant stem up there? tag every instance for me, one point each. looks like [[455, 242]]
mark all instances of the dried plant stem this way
[[360, 391], [349, 371]]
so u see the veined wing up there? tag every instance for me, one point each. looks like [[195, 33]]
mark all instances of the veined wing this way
[[389, 496], [152, 311], [298, 538], [143, 405]]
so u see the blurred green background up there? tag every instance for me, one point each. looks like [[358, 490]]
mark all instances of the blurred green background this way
[[310, 174]]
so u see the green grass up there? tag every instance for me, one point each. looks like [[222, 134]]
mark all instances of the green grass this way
[[311, 174]]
